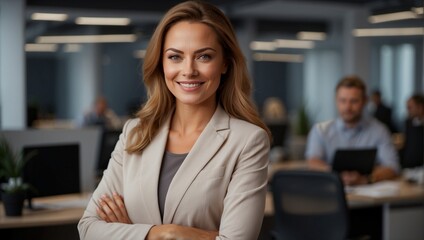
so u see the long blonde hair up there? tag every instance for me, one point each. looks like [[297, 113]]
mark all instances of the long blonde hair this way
[[234, 92]]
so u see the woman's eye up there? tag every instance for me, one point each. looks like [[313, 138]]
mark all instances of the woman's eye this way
[[174, 57], [204, 57]]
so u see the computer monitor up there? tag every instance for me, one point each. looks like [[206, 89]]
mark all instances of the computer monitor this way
[[53, 170], [107, 145], [279, 132]]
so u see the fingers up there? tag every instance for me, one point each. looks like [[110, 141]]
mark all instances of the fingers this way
[[109, 208], [113, 209], [122, 210], [102, 214]]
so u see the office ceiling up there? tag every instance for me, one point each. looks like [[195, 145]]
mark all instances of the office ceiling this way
[[289, 16], [163, 5]]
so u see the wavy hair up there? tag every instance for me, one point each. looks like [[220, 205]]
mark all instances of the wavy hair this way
[[233, 94]]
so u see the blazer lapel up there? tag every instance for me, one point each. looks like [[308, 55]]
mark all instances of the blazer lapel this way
[[208, 143], [149, 174]]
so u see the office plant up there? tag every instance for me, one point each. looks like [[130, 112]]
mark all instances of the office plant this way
[[14, 190], [302, 124]]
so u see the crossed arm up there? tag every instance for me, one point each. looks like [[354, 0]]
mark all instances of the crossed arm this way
[[113, 210]]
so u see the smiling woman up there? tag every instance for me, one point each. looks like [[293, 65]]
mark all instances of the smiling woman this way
[[193, 164]]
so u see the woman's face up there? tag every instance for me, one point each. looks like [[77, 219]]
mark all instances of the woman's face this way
[[193, 62]]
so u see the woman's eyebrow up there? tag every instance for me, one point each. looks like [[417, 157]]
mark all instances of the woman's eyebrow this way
[[197, 51]]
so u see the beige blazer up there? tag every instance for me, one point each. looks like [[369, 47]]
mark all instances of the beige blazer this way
[[221, 184]]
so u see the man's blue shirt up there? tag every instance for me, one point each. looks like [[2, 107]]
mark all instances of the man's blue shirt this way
[[326, 137]]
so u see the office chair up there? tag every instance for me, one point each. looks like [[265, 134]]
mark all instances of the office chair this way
[[309, 205]]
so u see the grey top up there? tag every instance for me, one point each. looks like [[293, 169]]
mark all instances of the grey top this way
[[171, 162]]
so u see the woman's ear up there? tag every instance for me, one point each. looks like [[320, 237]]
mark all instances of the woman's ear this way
[[225, 68]]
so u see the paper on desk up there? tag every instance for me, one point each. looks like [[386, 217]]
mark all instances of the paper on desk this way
[[380, 189]]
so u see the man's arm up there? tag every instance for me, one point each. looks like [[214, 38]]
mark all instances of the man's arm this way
[[315, 163], [381, 173], [315, 151]]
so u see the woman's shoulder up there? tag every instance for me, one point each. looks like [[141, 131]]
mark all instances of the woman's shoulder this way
[[245, 128], [130, 124]]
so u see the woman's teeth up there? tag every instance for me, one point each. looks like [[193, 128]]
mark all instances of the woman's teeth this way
[[190, 85]]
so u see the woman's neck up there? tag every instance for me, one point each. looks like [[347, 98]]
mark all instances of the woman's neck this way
[[188, 119]]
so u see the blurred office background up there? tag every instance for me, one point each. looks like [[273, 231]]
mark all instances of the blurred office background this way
[[296, 51]]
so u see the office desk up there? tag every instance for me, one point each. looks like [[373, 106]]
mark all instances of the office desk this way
[[402, 214], [53, 218], [53, 211]]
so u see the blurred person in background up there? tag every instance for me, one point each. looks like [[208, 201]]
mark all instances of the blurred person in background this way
[[101, 115], [413, 148]]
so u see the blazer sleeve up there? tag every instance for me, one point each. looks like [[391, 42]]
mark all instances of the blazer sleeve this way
[[244, 203], [91, 226]]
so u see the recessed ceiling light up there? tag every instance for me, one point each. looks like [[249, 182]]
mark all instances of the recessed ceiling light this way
[[49, 16], [102, 21], [311, 35], [277, 57], [379, 32], [35, 47], [286, 43], [88, 38]]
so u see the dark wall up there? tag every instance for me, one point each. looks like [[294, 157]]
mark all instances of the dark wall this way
[[121, 76], [270, 80], [41, 72]]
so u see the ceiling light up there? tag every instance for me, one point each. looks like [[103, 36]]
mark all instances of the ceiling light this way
[[392, 17], [34, 47], [284, 43], [88, 38], [277, 57], [49, 16], [262, 46], [379, 32], [72, 47], [140, 54], [418, 10], [311, 35], [102, 21]]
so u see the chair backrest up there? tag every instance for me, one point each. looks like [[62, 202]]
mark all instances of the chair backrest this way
[[309, 205]]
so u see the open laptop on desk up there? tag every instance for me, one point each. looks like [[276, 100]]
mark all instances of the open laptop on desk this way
[[361, 160]]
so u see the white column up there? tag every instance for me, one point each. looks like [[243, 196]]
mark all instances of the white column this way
[[12, 65], [321, 74], [356, 51]]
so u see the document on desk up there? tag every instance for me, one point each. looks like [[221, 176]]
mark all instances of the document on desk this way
[[379, 189]]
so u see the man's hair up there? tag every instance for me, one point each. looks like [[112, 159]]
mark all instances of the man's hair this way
[[353, 81], [418, 99]]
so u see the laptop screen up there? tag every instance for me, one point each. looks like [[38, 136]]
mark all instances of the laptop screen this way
[[361, 160]]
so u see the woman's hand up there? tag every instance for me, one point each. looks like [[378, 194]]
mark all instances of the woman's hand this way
[[113, 209], [178, 232]]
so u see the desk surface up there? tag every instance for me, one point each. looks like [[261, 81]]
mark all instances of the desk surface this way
[[407, 192], [49, 211]]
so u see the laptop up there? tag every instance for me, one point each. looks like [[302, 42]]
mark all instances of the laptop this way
[[361, 160]]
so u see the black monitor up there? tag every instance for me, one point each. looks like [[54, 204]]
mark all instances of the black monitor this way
[[279, 132], [107, 145], [53, 170]]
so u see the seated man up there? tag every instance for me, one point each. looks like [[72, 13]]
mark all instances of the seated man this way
[[412, 152], [352, 130]]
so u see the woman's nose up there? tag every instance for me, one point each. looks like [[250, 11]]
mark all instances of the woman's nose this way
[[189, 68]]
